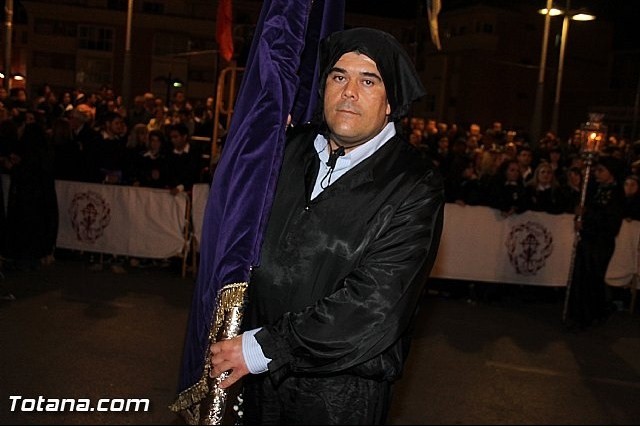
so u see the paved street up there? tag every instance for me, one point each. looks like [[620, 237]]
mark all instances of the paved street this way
[[500, 358]]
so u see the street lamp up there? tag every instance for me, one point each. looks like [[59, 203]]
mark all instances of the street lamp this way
[[569, 14], [14, 76]]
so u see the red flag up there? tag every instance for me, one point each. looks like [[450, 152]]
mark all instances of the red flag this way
[[224, 34]]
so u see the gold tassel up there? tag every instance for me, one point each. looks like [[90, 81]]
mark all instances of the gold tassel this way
[[204, 403]]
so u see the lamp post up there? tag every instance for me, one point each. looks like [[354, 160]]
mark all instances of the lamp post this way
[[536, 120], [592, 135], [568, 16], [8, 32], [126, 69]]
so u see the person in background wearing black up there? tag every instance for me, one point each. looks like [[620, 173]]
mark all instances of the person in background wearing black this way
[[112, 150], [183, 160], [506, 192], [461, 185], [543, 193], [598, 227], [151, 166], [32, 212], [525, 161], [81, 155], [572, 189]]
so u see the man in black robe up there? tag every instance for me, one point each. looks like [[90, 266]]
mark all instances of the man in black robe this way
[[351, 239], [598, 227]]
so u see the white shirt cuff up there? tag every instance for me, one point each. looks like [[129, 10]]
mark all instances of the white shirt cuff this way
[[252, 353]]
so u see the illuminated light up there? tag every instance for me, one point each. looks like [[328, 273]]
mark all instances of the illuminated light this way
[[583, 17], [553, 11]]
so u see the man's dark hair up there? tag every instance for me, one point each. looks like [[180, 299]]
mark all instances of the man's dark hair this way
[[524, 148], [180, 128]]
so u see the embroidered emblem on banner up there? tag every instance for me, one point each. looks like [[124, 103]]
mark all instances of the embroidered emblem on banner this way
[[90, 215], [529, 246]]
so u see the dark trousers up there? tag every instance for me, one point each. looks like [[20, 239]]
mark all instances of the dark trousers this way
[[587, 299], [331, 400]]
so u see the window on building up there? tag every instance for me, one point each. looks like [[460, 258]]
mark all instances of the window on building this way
[[53, 27], [54, 60], [93, 71], [117, 4], [202, 75], [71, 2], [196, 44], [167, 43], [484, 27], [155, 7], [95, 38]]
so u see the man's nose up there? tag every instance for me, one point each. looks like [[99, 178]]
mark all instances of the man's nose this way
[[350, 90]]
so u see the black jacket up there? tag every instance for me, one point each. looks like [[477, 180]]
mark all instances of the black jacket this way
[[341, 275]]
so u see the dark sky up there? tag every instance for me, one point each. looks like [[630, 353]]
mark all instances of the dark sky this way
[[623, 13]]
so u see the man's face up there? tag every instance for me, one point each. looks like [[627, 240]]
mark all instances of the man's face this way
[[178, 140], [525, 157], [355, 100], [603, 175], [117, 126]]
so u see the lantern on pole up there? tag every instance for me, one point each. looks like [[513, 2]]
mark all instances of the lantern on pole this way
[[592, 136]]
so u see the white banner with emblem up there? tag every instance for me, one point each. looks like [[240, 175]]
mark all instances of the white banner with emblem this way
[[133, 221], [478, 244]]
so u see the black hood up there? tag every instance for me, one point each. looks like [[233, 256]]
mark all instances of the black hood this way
[[396, 69]]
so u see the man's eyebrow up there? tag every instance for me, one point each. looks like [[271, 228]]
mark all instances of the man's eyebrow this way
[[337, 70], [362, 73], [370, 74]]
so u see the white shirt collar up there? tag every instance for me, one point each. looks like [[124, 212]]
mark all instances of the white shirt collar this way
[[185, 150], [358, 154], [344, 163]]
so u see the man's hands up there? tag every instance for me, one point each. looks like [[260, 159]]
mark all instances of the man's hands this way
[[225, 356]]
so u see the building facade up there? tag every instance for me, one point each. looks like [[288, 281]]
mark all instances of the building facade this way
[[486, 71]]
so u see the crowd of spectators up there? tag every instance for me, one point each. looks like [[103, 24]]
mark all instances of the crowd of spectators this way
[[92, 137], [499, 168]]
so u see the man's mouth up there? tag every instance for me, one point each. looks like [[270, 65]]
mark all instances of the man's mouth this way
[[346, 111]]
